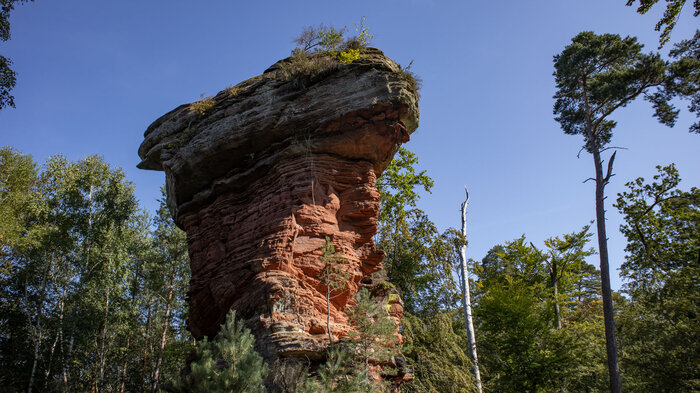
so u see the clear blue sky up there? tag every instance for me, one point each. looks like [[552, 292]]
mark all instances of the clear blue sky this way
[[93, 75]]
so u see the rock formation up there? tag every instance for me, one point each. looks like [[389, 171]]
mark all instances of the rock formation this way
[[259, 175]]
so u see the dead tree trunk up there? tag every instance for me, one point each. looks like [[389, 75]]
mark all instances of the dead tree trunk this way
[[466, 296]]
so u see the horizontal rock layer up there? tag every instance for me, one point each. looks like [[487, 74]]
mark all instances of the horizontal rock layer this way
[[263, 174]]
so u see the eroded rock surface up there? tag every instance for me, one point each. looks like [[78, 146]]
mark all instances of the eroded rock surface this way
[[259, 179]]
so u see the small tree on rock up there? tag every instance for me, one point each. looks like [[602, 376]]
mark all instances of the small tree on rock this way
[[334, 278], [375, 335]]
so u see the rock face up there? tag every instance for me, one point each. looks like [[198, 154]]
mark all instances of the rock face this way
[[258, 177]]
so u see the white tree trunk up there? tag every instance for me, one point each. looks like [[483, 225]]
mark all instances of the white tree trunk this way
[[466, 297]]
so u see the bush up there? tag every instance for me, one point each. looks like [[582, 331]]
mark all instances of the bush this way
[[320, 49]]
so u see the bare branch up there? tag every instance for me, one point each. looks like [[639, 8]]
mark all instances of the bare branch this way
[[613, 147], [590, 178], [610, 166], [578, 155]]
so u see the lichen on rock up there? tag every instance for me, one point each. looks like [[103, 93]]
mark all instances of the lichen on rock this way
[[263, 176]]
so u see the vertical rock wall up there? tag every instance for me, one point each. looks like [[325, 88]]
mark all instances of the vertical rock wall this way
[[261, 175]]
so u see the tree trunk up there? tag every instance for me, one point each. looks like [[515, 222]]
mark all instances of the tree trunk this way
[[146, 344], [608, 314], [555, 285], [466, 296], [163, 337], [328, 315], [123, 382], [47, 368], [593, 145], [103, 355], [37, 343]]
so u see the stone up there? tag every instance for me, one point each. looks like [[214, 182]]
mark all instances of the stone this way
[[260, 174]]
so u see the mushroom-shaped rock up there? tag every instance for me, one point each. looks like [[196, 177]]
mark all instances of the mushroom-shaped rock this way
[[260, 174]]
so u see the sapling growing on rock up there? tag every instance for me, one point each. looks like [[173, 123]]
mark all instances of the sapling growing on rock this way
[[334, 278]]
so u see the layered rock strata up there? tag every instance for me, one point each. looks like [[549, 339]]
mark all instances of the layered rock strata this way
[[259, 175]]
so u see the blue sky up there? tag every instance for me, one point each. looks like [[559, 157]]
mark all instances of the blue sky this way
[[93, 75]]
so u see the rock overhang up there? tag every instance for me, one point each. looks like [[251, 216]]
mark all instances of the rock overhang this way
[[266, 117]]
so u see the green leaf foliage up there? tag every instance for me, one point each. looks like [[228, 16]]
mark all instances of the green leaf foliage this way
[[523, 346], [436, 347], [659, 324], [419, 259], [86, 287]]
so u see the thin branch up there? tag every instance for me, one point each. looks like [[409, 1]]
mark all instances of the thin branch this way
[[613, 147], [578, 155], [590, 178]]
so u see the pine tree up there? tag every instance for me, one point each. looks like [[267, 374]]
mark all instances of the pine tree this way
[[227, 364], [334, 278], [596, 75]]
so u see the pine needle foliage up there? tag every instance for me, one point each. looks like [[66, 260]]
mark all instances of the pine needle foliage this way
[[338, 375], [334, 277], [227, 364], [374, 338]]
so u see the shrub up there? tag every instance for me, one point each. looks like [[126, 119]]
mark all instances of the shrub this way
[[320, 49]]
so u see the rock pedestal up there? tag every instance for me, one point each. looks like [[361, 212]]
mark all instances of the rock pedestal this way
[[259, 175]]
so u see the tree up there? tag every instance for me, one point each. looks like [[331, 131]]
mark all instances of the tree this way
[[339, 374], [19, 201], [466, 296], [596, 75], [659, 326], [168, 272], [437, 348], [375, 335], [226, 364], [670, 17], [419, 260], [7, 75], [334, 278], [522, 348], [565, 256]]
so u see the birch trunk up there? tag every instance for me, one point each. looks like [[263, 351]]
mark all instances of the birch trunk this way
[[466, 296], [163, 337], [103, 355], [146, 344]]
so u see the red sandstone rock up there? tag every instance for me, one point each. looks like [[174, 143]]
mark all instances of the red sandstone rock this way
[[259, 181]]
